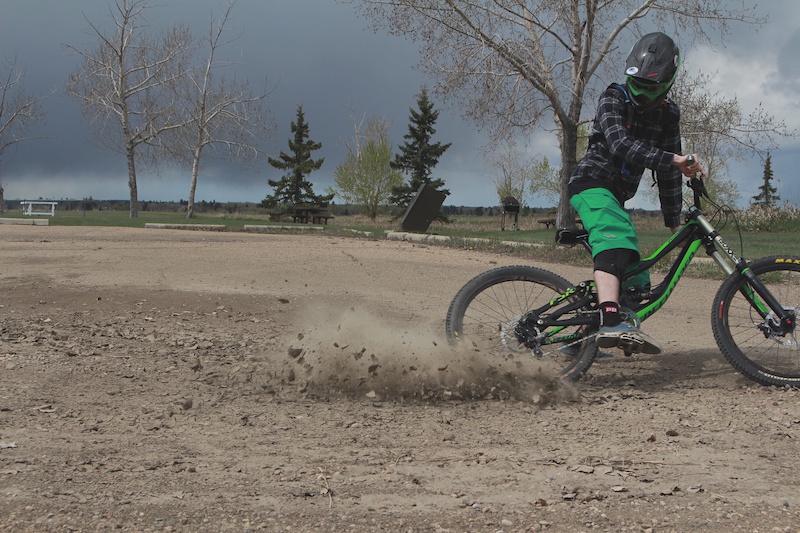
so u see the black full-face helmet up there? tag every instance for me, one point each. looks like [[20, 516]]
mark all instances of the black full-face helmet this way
[[651, 69]]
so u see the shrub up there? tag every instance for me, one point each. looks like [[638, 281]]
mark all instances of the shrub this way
[[759, 217]]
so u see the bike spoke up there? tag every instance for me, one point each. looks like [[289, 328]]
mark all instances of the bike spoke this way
[[492, 314]]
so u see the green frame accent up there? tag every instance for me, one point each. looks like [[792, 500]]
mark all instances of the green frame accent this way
[[551, 337]]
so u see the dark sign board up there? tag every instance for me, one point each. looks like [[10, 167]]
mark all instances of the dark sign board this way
[[422, 210]]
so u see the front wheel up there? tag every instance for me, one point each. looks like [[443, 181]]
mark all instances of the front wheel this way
[[757, 343], [488, 315]]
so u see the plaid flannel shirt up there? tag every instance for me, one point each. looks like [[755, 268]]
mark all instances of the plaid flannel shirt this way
[[618, 155]]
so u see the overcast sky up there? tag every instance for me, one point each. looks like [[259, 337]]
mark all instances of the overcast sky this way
[[319, 54]]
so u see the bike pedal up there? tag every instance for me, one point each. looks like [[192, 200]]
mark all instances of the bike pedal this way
[[630, 344]]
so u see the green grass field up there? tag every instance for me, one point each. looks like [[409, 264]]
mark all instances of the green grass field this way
[[650, 231], [123, 219], [783, 240]]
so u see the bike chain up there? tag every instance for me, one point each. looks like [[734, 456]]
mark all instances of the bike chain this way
[[628, 312], [562, 345]]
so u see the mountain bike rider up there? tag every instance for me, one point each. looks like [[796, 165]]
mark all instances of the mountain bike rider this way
[[636, 127]]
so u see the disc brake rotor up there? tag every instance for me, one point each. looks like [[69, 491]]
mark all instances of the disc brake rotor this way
[[509, 337], [787, 339]]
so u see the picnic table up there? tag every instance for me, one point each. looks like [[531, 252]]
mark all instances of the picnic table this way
[[552, 222], [40, 207], [548, 222], [311, 215]]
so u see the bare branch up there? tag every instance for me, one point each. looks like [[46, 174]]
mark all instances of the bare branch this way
[[509, 63], [123, 84], [19, 109], [217, 113]]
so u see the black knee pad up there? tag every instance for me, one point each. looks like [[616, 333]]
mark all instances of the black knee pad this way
[[613, 261]]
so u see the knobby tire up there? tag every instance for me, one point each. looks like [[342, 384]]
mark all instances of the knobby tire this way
[[739, 330], [484, 312]]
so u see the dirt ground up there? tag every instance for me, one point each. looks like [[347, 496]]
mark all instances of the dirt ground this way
[[167, 380]]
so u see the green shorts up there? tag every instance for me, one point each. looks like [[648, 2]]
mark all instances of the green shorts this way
[[609, 225]]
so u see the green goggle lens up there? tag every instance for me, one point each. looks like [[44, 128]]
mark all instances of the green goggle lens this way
[[647, 89]]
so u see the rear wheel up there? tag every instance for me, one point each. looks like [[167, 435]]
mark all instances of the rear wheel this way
[[488, 314], [760, 347]]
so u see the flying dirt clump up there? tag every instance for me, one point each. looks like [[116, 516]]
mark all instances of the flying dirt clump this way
[[353, 353]]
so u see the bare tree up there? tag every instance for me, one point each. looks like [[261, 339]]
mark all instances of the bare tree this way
[[512, 172], [124, 84], [219, 112], [513, 62], [716, 127], [19, 110]]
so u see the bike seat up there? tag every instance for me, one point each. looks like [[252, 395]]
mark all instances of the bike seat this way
[[569, 237]]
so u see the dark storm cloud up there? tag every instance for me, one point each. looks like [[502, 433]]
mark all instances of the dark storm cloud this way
[[787, 73], [315, 53]]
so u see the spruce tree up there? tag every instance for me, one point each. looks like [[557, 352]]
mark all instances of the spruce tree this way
[[293, 189], [418, 155], [767, 195]]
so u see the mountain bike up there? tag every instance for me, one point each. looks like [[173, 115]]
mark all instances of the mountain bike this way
[[514, 310]]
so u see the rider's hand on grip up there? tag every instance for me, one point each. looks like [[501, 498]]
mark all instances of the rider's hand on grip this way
[[695, 172], [690, 165]]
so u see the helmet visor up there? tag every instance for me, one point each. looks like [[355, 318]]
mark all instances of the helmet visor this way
[[650, 90]]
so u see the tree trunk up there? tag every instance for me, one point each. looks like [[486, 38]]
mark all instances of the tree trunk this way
[[565, 215], [134, 199], [193, 186]]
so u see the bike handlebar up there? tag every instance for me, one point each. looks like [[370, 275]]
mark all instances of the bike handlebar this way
[[696, 184]]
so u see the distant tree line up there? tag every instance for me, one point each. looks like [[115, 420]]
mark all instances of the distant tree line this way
[[203, 206]]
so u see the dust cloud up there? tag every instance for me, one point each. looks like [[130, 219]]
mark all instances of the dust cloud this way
[[352, 353]]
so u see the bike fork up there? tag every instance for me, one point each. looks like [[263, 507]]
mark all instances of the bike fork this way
[[754, 290], [763, 301]]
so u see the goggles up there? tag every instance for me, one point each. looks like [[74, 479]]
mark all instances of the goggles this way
[[647, 89]]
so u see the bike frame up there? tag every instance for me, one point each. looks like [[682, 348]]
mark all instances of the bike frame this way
[[696, 232]]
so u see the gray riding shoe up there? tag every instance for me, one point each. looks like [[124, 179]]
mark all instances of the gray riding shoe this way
[[627, 338]]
